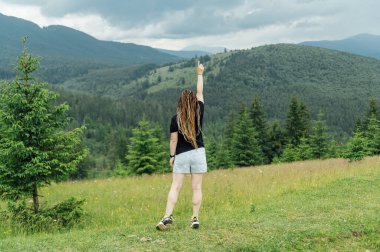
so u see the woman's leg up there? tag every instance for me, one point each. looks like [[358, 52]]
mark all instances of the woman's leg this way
[[196, 182], [174, 192]]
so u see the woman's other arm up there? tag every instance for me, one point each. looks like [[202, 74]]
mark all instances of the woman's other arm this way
[[173, 146]]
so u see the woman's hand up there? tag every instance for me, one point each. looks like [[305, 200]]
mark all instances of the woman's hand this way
[[171, 162], [200, 69]]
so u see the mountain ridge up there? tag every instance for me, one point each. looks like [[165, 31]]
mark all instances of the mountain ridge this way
[[338, 83], [70, 43], [364, 44]]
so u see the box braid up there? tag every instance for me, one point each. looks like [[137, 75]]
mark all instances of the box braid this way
[[186, 110]]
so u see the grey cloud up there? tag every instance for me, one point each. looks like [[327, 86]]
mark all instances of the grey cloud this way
[[211, 20], [185, 18], [200, 17]]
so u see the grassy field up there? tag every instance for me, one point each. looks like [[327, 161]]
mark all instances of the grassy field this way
[[328, 205]]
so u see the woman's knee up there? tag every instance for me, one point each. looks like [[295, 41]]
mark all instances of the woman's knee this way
[[177, 182], [197, 187], [176, 187]]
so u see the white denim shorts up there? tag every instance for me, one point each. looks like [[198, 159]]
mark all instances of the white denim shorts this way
[[193, 161]]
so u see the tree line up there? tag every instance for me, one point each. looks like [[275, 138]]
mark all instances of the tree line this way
[[110, 126], [249, 140]]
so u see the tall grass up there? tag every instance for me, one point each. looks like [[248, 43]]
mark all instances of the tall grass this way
[[233, 193], [137, 200]]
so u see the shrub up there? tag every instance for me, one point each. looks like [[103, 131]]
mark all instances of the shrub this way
[[63, 215]]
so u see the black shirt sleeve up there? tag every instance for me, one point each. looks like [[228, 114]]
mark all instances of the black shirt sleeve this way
[[173, 125]]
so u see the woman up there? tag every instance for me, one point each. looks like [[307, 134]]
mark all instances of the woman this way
[[187, 153]]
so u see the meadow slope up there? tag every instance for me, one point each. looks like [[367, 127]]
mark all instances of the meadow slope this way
[[328, 205]]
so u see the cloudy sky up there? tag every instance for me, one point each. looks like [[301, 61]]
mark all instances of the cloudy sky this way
[[175, 24]]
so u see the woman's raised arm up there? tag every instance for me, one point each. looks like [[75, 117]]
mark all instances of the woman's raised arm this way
[[200, 69]]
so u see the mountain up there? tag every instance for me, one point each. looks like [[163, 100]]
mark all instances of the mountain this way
[[63, 48], [208, 49], [337, 83], [184, 54], [362, 44]]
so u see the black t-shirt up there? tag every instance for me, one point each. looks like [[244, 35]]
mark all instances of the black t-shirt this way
[[182, 144]]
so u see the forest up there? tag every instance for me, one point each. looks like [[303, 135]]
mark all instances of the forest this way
[[333, 88]]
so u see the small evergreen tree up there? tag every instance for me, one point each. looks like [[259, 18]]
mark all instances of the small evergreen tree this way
[[276, 141], [223, 156], [297, 122], [305, 120], [259, 122], [35, 148], [145, 152], [334, 149], [374, 108], [289, 154], [373, 134], [246, 149], [373, 111], [304, 150], [161, 155], [212, 149], [225, 151], [358, 125], [319, 139], [358, 147]]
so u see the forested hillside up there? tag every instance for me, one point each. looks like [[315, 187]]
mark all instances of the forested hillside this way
[[337, 83], [69, 53]]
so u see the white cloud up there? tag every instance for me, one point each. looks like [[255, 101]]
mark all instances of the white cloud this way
[[92, 24], [177, 24]]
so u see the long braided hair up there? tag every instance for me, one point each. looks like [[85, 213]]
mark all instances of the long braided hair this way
[[188, 113]]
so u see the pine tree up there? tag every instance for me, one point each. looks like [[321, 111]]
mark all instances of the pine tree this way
[[35, 148], [304, 150], [296, 153], [223, 156], [145, 151], [289, 154], [225, 150], [373, 111], [245, 149], [161, 155], [259, 122], [358, 125], [293, 122], [373, 134], [358, 147], [297, 122], [305, 120], [212, 149], [319, 139], [334, 149], [276, 141]]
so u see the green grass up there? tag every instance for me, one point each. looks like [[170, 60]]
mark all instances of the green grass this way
[[328, 205]]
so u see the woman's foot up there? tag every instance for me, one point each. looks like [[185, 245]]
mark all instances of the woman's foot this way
[[163, 224], [194, 223]]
